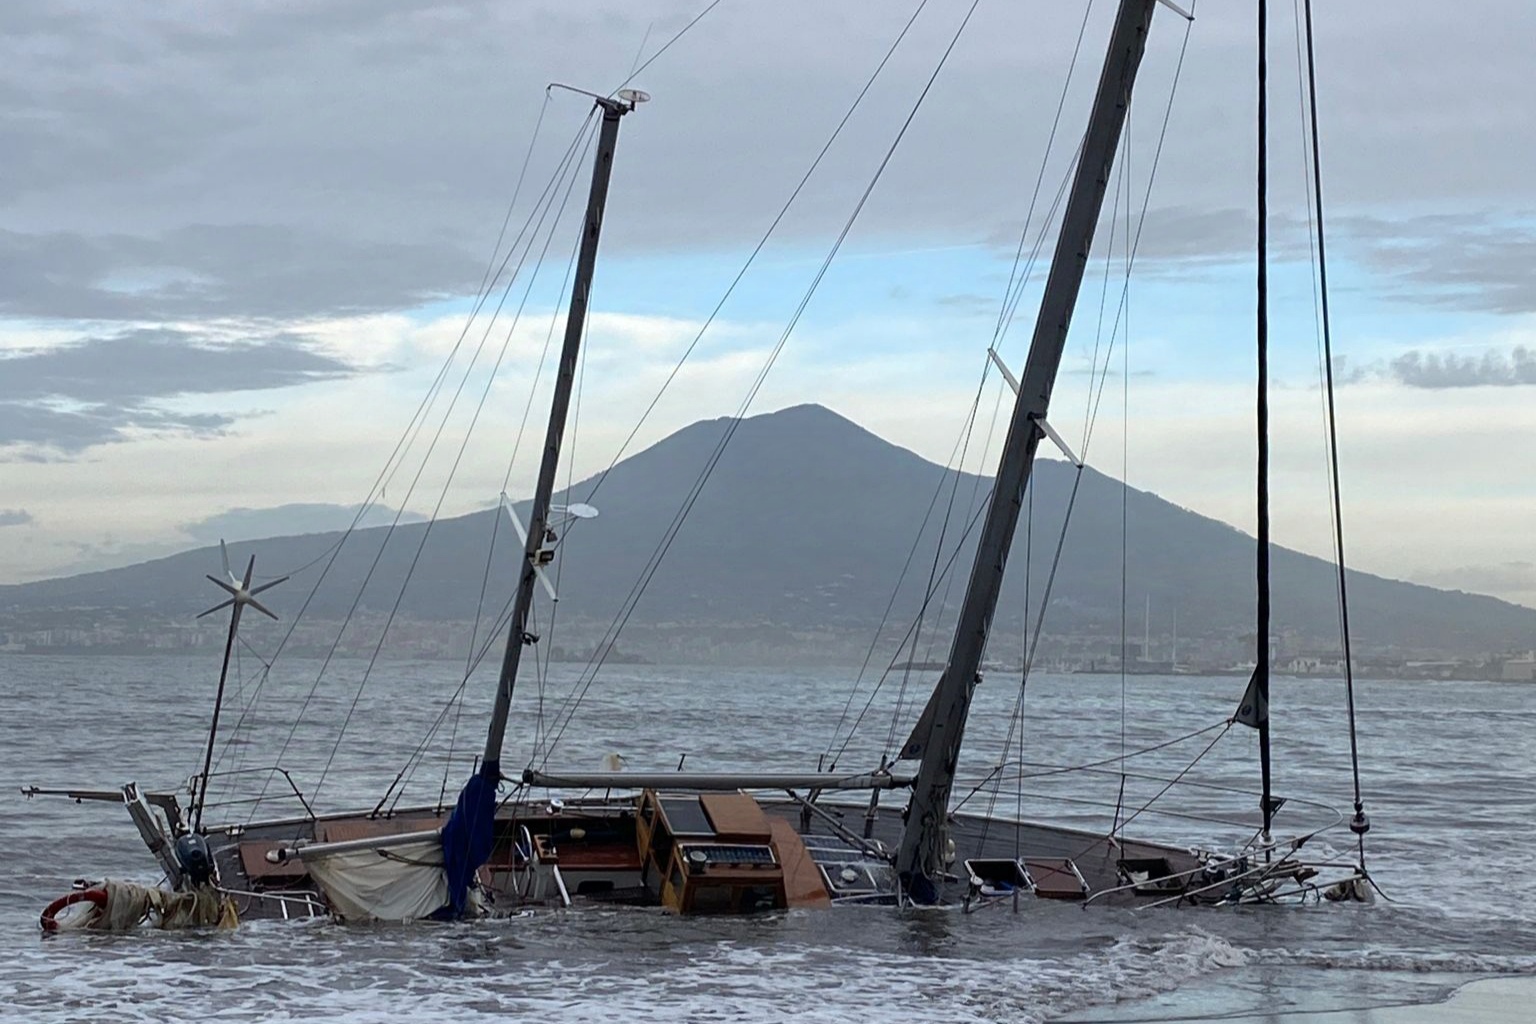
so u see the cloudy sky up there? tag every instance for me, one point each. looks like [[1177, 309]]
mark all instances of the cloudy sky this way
[[240, 241]]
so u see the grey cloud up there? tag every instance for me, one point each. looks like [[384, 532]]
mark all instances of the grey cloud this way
[[1450, 370], [1185, 234], [351, 127], [64, 399], [216, 271], [15, 517], [1480, 262], [38, 432]]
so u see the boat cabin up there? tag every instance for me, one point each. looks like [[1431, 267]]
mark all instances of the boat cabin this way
[[718, 853]]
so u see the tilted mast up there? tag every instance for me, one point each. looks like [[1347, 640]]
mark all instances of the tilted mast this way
[[575, 322], [921, 857], [468, 835]]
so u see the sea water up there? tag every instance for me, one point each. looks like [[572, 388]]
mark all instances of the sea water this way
[[1446, 769]]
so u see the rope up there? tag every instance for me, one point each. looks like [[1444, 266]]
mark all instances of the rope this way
[[1068, 769]]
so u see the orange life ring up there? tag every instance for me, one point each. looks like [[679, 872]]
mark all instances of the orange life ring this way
[[48, 919]]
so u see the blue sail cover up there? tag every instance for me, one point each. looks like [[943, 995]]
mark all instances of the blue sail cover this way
[[468, 835]]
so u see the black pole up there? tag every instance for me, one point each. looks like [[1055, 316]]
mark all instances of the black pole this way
[[538, 519], [1261, 670], [218, 704], [921, 856]]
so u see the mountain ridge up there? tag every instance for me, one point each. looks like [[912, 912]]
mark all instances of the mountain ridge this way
[[804, 524]]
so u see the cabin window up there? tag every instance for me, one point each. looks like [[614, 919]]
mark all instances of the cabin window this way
[[713, 899], [760, 897]]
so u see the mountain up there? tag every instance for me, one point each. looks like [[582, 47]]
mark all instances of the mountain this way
[[804, 525]]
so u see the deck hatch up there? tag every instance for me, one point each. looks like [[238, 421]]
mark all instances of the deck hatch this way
[[685, 816]]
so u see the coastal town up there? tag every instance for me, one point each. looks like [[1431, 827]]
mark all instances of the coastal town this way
[[128, 633]]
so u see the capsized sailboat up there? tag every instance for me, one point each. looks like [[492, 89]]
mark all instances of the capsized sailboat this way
[[739, 842]]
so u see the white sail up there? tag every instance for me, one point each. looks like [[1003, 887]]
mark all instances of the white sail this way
[[405, 882]]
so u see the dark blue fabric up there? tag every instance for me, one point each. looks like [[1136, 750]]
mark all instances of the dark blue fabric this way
[[469, 835]]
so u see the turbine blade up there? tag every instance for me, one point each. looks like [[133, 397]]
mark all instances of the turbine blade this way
[[224, 554], [218, 582], [250, 568], [217, 607], [269, 585], [261, 608]]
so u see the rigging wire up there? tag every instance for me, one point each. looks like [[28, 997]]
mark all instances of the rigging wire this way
[[554, 224], [482, 290], [1096, 400], [1012, 293], [664, 47], [426, 457], [757, 249], [901, 577], [1125, 478], [606, 647], [976, 518], [1359, 824], [391, 466], [636, 68], [473, 660], [739, 276], [1004, 314], [1016, 724], [453, 468], [997, 770], [1121, 312], [933, 570], [1004, 317], [408, 436], [1121, 309], [1029, 557]]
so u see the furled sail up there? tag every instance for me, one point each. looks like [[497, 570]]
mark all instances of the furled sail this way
[[468, 835], [405, 882], [1253, 709]]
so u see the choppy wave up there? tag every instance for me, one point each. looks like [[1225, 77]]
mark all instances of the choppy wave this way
[[1457, 795], [451, 974]]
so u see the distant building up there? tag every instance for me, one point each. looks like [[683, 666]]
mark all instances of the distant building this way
[[1520, 670], [1311, 664]]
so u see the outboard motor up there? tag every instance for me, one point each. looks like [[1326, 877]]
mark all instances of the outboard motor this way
[[196, 862]]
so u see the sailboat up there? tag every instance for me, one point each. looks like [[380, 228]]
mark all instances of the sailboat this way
[[752, 841]]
